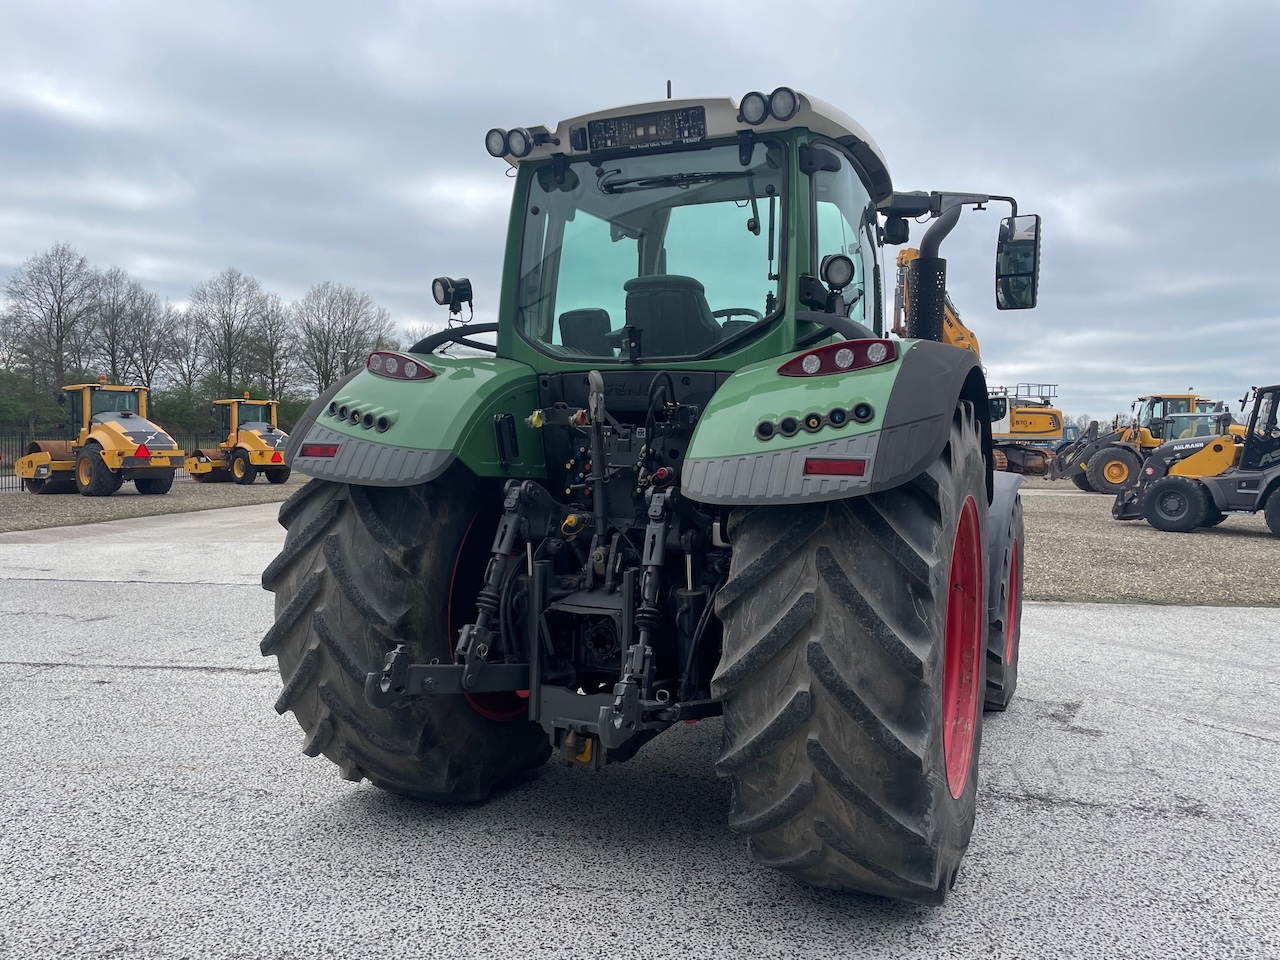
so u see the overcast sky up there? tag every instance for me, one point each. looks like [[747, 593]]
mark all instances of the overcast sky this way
[[310, 141]]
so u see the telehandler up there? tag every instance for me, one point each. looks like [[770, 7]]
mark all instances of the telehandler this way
[[694, 478], [115, 442], [1109, 463], [254, 444], [1203, 475]]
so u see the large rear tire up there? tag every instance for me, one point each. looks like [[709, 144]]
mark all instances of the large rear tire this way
[[362, 569], [1113, 470], [852, 678], [1005, 632], [278, 474]]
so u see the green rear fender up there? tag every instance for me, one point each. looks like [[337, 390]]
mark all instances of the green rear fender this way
[[378, 431], [734, 460]]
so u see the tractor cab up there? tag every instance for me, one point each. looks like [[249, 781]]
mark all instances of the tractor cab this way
[[1262, 436], [1152, 412], [245, 414], [99, 403]]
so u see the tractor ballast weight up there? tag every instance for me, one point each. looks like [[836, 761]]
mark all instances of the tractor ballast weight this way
[[695, 478]]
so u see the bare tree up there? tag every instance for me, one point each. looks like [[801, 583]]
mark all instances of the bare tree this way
[[273, 346], [337, 326], [51, 297], [186, 361], [413, 332], [11, 340], [151, 336], [113, 314], [227, 307]]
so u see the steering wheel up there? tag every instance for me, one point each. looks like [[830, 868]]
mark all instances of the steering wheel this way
[[734, 311], [457, 335]]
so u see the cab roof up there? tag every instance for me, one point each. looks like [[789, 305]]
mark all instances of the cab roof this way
[[723, 120]]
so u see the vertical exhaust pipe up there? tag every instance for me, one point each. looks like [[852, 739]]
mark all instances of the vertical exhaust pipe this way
[[927, 281]]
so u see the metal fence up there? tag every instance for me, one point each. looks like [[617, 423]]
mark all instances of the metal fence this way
[[14, 444]]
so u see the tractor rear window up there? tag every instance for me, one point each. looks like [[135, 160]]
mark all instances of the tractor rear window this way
[[112, 401], [683, 247]]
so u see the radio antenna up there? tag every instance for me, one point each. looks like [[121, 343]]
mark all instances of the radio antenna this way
[[668, 89]]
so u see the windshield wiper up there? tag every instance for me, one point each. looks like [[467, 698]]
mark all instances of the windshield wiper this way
[[666, 180]]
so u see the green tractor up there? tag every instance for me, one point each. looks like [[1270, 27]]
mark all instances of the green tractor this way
[[693, 477]]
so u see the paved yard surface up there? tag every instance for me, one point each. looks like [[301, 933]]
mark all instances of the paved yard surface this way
[[153, 804]]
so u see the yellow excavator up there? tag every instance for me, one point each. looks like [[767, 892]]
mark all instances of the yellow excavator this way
[[1025, 426], [254, 444], [114, 442]]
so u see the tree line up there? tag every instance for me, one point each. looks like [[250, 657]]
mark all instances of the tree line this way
[[65, 321]]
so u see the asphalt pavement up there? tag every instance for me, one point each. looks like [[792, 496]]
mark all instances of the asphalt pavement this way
[[152, 804]]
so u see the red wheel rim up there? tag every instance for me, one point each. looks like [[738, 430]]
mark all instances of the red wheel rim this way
[[1011, 615], [464, 583], [962, 649]]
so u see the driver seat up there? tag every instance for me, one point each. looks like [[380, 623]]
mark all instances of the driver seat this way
[[672, 314]]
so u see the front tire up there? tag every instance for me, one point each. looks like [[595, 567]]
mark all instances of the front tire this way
[[364, 568], [1082, 481], [1175, 504], [242, 471], [852, 676], [1113, 470], [93, 477]]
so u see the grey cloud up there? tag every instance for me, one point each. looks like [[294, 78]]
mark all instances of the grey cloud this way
[[343, 142]]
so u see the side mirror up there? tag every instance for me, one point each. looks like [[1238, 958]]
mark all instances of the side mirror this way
[[1018, 263], [897, 231]]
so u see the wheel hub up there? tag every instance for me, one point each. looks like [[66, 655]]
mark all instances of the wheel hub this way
[[1116, 471], [962, 649]]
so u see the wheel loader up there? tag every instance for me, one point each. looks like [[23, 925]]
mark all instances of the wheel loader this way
[[1201, 476], [254, 444], [1109, 462], [694, 477], [114, 442]]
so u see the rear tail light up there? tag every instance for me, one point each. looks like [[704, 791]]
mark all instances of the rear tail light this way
[[396, 366], [319, 450], [831, 467], [840, 358]]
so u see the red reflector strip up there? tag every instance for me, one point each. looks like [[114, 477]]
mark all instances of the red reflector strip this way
[[319, 450], [814, 467]]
